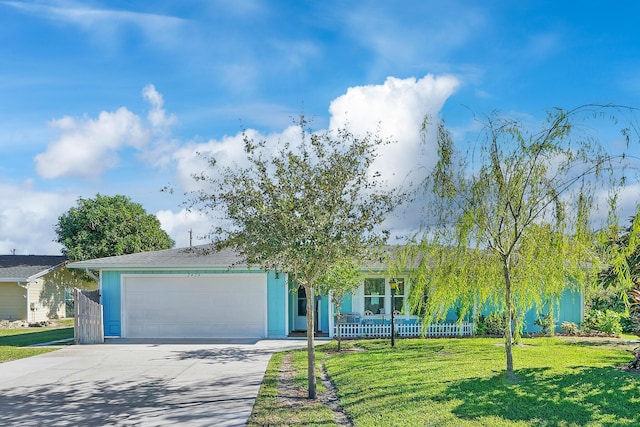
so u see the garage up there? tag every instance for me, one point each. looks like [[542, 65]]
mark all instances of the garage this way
[[194, 306]]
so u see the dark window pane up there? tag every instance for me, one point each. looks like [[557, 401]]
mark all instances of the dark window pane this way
[[373, 304], [302, 302], [374, 286], [302, 307], [398, 300]]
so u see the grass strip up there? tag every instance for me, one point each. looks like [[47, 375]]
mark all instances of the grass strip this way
[[268, 411], [14, 342]]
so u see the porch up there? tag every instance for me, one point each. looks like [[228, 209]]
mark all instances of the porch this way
[[303, 334]]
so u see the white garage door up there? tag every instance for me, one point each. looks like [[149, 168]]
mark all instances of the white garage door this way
[[184, 306]]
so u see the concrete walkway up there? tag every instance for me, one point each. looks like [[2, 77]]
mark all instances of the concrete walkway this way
[[141, 383]]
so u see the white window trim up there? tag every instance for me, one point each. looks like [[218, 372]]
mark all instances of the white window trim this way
[[387, 295]]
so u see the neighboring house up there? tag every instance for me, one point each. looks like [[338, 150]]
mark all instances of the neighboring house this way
[[201, 293], [31, 288]]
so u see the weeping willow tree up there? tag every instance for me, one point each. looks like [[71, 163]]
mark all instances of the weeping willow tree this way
[[510, 218]]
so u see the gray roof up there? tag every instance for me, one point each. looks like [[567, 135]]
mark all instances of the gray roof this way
[[204, 256], [25, 268]]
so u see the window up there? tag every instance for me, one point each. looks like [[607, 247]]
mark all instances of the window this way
[[374, 292], [398, 299], [69, 303], [302, 302]]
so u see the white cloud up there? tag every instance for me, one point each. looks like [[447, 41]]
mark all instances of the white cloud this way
[[179, 224], [28, 218], [397, 109], [229, 151], [105, 24], [192, 158], [401, 37], [88, 147], [628, 199], [157, 116]]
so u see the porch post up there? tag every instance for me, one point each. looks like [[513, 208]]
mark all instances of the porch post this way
[[393, 284], [287, 329], [331, 318]]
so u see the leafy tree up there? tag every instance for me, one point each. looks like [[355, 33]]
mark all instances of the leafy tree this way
[[302, 210], [511, 218], [619, 283], [343, 278], [106, 226], [624, 252]]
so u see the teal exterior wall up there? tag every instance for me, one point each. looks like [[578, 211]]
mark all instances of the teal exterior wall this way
[[111, 297], [567, 308], [276, 305], [571, 307], [347, 303], [292, 297], [323, 308]]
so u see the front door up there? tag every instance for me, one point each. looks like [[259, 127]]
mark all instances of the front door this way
[[301, 310]]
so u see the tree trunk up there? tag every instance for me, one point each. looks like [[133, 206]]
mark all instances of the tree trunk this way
[[339, 336], [517, 327], [311, 350], [552, 330], [508, 338]]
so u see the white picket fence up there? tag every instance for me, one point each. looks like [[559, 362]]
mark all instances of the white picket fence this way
[[87, 324], [370, 330]]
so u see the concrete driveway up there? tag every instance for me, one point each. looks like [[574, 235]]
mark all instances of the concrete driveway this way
[[203, 383]]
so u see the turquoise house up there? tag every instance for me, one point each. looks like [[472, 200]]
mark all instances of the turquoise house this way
[[201, 293]]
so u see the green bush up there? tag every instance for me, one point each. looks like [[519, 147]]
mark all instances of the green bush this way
[[570, 328], [547, 323], [481, 325], [606, 322], [604, 299], [630, 324], [495, 324]]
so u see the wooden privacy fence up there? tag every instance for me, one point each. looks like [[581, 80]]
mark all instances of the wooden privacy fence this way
[[368, 330], [87, 324]]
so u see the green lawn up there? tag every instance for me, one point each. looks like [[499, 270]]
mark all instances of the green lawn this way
[[461, 382], [14, 342]]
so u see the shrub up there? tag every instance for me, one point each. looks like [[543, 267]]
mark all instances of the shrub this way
[[607, 322], [570, 328], [608, 298], [495, 324], [481, 325], [546, 322]]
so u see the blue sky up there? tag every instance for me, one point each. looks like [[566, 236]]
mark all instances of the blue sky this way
[[117, 96]]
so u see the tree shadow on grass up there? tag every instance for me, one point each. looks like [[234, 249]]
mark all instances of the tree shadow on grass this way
[[600, 342], [601, 396]]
